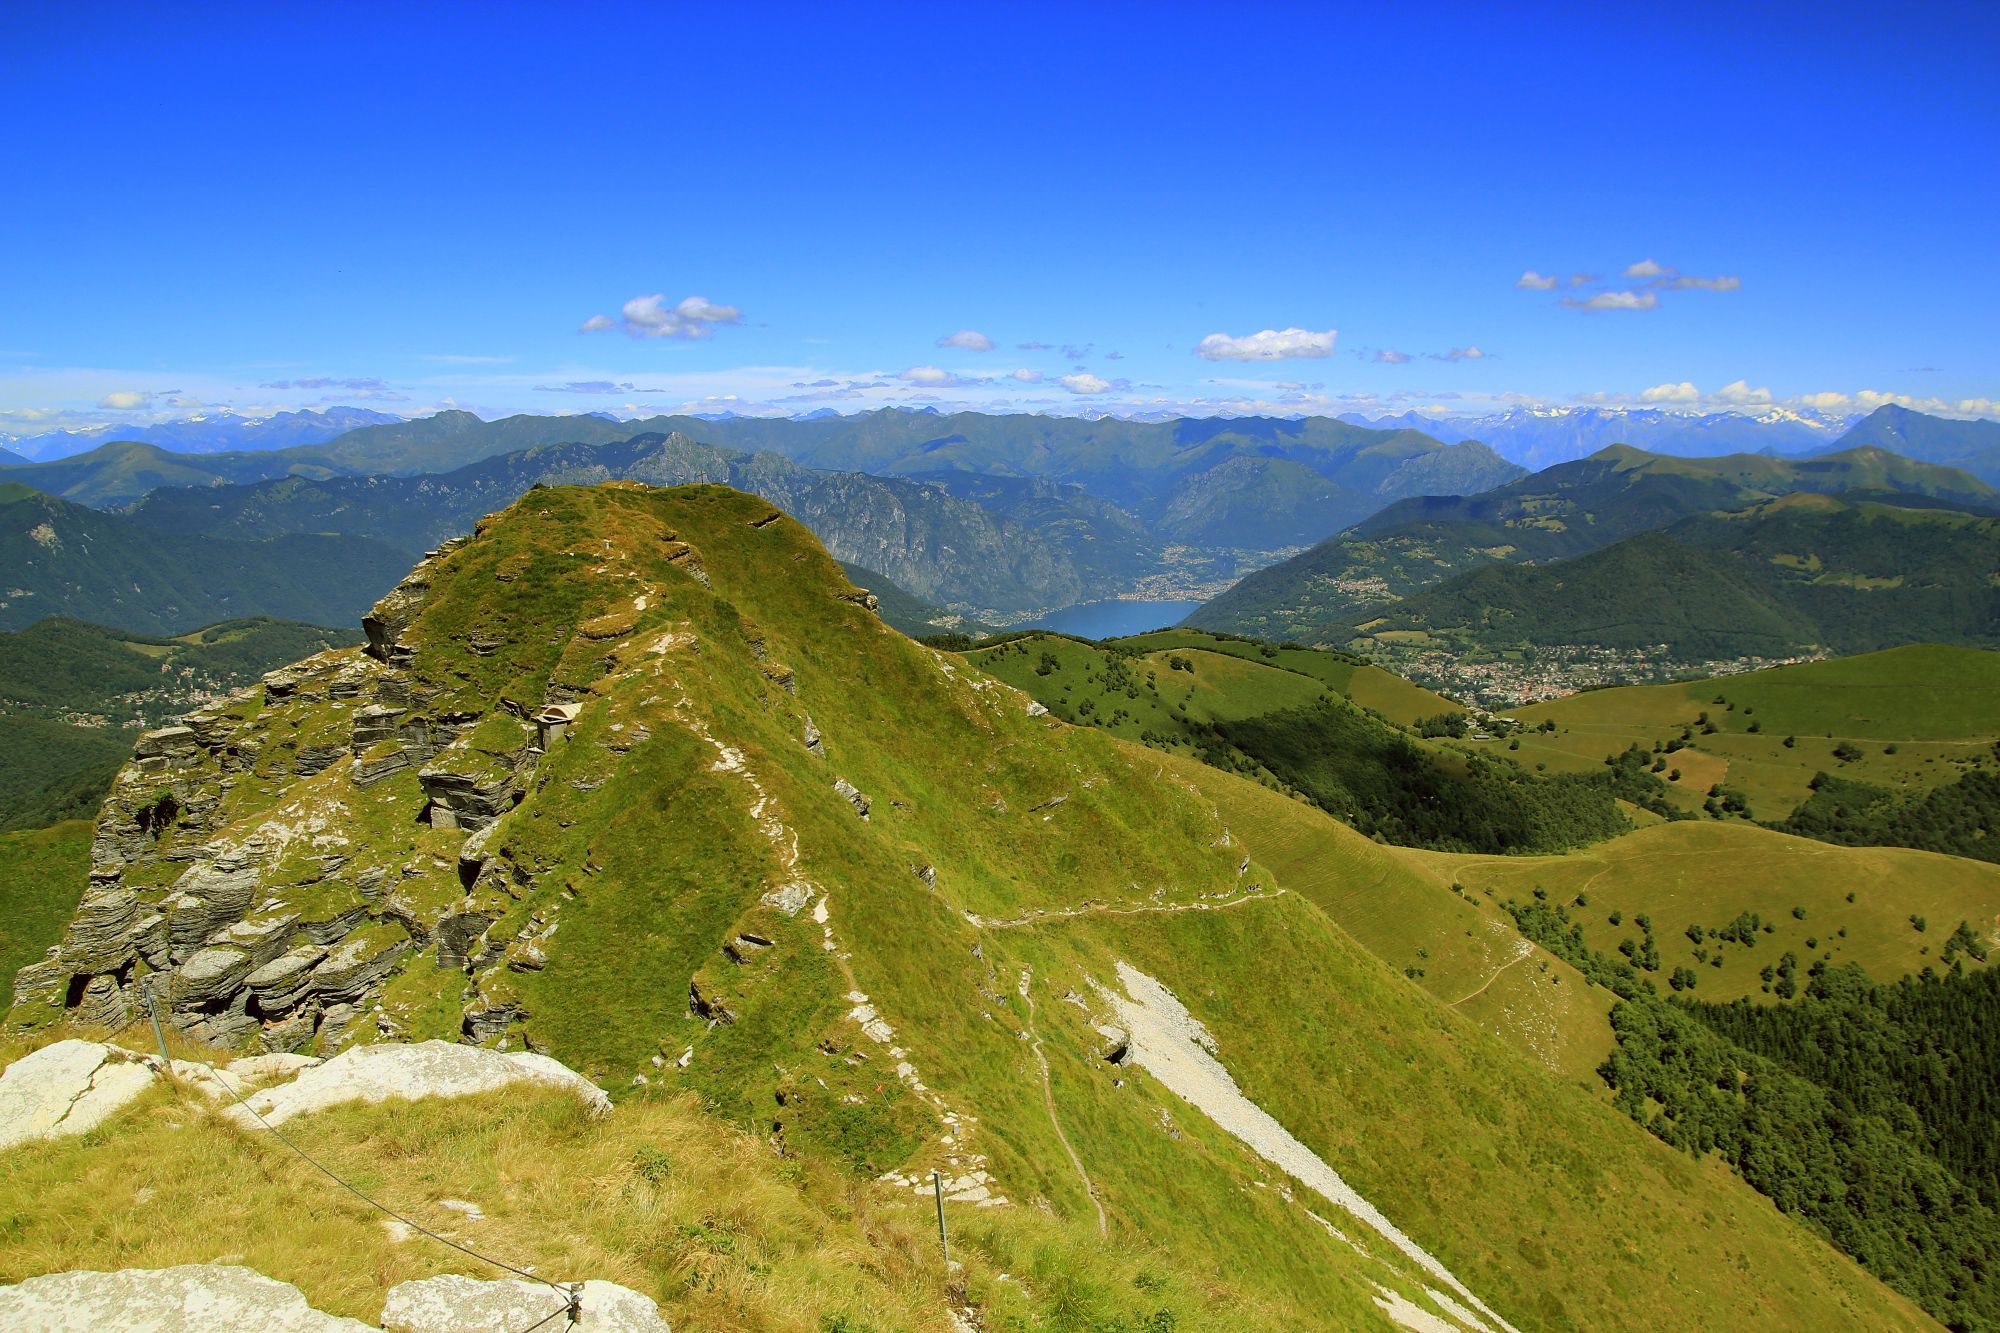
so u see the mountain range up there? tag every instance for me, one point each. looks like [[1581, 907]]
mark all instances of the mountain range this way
[[1563, 511], [1792, 575], [63, 559], [1537, 437], [204, 433]]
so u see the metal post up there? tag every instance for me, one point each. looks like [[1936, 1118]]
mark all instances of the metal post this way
[[937, 1189], [153, 1014]]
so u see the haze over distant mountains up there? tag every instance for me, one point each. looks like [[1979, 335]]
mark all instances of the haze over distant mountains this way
[[205, 433], [1002, 516]]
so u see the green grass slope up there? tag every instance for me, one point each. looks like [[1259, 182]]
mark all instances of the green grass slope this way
[[1906, 719], [1282, 716], [1696, 873], [931, 1000], [43, 873]]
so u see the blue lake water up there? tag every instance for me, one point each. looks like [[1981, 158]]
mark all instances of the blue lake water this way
[[1109, 620]]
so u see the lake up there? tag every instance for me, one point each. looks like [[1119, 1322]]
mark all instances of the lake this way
[[1110, 620]]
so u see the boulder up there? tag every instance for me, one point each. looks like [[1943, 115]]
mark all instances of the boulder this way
[[813, 741], [210, 978], [469, 801], [425, 1069], [317, 759], [157, 1300], [45, 983], [211, 895], [357, 964], [103, 1004], [166, 743], [791, 898], [337, 1025], [455, 1304], [282, 984], [852, 795], [69, 1087], [375, 722], [262, 937], [149, 940]]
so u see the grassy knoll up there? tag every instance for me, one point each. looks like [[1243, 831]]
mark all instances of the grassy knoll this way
[[1699, 873], [1401, 701], [659, 1196], [1907, 719], [1291, 726]]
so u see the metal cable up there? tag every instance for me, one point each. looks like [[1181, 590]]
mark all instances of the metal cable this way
[[572, 1295]]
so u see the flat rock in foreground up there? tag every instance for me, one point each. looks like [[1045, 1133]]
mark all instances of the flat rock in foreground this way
[[455, 1304], [423, 1069], [68, 1087], [192, 1297]]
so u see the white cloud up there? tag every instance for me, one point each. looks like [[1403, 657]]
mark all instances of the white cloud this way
[[1270, 345], [1615, 301], [1027, 376], [1647, 268], [931, 377], [1536, 282], [1083, 382], [125, 400], [1460, 354], [1727, 282], [1390, 357], [1684, 392], [967, 340], [651, 317], [1740, 394]]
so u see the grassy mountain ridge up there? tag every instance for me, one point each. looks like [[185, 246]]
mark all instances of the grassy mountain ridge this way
[[855, 975], [1564, 511]]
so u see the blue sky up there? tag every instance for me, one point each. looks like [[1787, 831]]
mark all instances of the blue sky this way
[[413, 206]]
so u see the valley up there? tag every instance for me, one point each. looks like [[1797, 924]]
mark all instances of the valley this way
[[778, 669]]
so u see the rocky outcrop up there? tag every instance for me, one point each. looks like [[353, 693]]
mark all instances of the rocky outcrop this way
[[472, 793], [392, 617], [456, 1304], [425, 1069], [192, 1296]]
